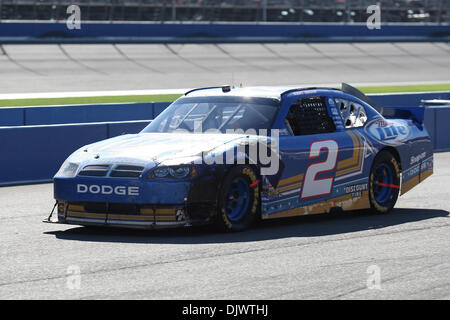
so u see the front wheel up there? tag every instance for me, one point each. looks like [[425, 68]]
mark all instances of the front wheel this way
[[384, 182], [238, 200]]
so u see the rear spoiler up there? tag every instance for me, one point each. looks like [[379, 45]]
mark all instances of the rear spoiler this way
[[345, 87], [416, 114]]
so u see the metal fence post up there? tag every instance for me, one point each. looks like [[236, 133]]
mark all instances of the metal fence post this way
[[264, 17], [348, 18], [174, 10], [439, 17]]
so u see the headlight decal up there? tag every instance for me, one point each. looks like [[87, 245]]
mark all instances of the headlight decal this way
[[68, 170], [180, 172], [162, 172], [172, 172]]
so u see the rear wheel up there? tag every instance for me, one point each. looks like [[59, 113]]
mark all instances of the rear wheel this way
[[384, 182], [238, 200]]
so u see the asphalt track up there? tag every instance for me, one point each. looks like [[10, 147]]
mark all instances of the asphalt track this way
[[315, 257], [57, 68]]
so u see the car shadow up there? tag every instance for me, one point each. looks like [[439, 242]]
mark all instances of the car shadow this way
[[306, 226]]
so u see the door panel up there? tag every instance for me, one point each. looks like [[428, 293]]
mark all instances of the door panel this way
[[320, 172]]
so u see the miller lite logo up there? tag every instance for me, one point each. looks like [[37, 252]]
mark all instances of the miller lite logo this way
[[388, 132]]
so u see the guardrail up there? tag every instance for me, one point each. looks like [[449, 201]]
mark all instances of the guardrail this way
[[25, 116], [33, 154], [34, 141], [57, 32]]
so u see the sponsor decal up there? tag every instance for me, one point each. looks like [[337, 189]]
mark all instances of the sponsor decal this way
[[107, 190], [426, 165], [388, 132], [306, 92], [335, 114], [331, 102], [356, 189], [419, 157], [412, 172]]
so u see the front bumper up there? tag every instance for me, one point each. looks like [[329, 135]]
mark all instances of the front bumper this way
[[114, 215], [134, 203], [121, 190]]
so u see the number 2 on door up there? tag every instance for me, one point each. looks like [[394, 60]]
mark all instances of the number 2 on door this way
[[316, 187]]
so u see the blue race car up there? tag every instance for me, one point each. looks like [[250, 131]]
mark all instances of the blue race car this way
[[229, 156]]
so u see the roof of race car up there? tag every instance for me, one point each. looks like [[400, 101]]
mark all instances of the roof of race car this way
[[262, 92], [273, 92]]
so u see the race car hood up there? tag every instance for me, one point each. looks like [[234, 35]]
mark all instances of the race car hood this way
[[145, 148]]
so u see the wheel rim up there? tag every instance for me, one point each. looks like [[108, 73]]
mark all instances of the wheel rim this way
[[382, 181], [237, 199]]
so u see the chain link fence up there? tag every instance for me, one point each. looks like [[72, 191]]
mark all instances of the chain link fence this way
[[336, 11]]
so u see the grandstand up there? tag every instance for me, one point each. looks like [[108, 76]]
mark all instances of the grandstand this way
[[337, 11]]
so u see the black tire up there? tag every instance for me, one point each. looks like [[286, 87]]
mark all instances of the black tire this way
[[243, 175], [384, 182]]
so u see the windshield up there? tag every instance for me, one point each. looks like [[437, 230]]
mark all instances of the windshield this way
[[198, 114]]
